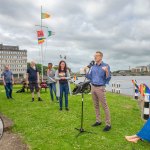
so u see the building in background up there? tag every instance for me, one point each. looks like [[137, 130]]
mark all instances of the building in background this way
[[140, 69], [148, 68], [17, 59]]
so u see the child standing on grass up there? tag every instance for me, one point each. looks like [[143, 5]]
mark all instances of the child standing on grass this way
[[62, 76]]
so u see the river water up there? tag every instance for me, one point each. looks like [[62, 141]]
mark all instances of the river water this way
[[126, 85]]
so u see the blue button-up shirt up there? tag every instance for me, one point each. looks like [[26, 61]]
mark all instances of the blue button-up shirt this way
[[7, 76], [97, 75]]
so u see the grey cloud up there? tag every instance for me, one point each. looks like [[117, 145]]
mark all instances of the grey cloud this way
[[120, 29]]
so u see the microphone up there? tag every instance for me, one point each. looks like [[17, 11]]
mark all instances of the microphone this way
[[83, 70], [91, 64]]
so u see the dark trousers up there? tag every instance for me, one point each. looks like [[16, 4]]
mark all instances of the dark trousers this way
[[8, 89], [52, 88], [64, 89]]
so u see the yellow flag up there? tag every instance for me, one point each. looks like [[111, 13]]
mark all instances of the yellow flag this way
[[45, 15]]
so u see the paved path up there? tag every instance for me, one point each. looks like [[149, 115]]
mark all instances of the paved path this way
[[9, 140]]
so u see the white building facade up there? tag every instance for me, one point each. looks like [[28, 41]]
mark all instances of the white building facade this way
[[17, 59]]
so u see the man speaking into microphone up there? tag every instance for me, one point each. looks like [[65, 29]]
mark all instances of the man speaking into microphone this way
[[99, 75]]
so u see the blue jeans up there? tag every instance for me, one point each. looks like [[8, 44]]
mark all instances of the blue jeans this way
[[8, 89], [64, 89], [52, 88]]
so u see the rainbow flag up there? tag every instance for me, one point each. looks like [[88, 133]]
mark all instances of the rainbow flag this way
[[144, 89], [45, 15], [41, 40], [135, 84]]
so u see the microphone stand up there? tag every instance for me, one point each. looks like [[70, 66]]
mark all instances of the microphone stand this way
[[81, 129]]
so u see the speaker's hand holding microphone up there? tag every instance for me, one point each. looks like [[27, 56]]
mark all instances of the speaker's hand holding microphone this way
[[84, 70], [89, 66]]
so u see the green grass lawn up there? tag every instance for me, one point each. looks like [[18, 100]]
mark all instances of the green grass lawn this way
[[43, 127]]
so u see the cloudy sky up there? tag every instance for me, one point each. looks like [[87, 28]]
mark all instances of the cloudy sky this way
[[118, 28]]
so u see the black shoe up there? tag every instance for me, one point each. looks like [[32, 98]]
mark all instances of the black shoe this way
[[39, 99], [11, 98], [67, 108], [60, 109], [107, 128], [96, 124], [32, 100]]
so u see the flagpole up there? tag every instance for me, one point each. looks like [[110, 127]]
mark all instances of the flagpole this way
[[45, 46], [41, 48]]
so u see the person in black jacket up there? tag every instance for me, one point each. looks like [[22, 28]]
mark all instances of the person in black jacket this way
[[32, 79]]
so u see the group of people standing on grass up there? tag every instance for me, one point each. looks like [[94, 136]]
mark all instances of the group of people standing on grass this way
[[58, 83]]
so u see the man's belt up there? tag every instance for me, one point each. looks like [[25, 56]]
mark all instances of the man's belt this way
[[97, 85]]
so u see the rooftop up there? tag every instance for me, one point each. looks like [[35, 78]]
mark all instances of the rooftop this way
[[9, 47]]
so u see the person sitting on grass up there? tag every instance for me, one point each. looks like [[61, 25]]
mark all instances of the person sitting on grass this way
[[62, 76], [32, 78], [8, 81], [143, 134]]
